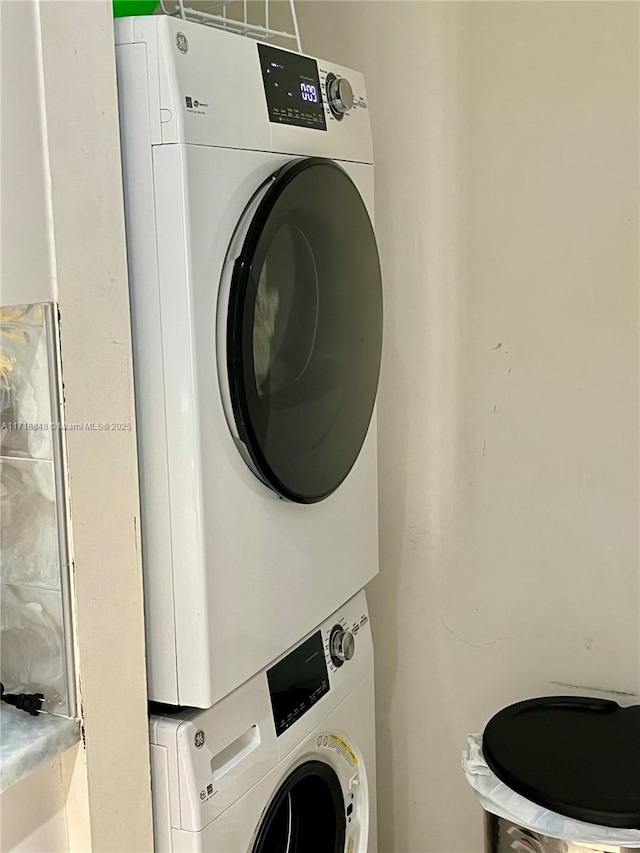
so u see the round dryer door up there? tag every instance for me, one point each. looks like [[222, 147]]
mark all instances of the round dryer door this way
[[307, 814], [303, 332]]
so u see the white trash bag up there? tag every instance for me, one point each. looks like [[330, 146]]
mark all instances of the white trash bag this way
[[500, 800]]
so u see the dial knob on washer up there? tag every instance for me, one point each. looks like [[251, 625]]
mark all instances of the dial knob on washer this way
[[339, 95], [342, 645]]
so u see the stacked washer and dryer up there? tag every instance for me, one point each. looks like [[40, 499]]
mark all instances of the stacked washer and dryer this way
[[257, 322]]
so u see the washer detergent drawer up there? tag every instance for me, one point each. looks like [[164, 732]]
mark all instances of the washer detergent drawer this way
[[219, 760]]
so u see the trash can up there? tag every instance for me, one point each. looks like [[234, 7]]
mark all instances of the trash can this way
[[504, 836], [559, 775]]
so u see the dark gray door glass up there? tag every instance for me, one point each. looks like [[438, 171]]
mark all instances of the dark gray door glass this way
[[307, 814], [304, 331]]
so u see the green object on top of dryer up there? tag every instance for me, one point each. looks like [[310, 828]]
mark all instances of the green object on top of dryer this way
[[127, 8]]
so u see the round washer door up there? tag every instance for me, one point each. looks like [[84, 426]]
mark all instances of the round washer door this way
[[306, 815], [304, 330]]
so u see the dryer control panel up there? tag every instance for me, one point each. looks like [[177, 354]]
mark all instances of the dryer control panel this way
[[181, 82], [292, 88]]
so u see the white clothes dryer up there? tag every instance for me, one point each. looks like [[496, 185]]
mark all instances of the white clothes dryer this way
[[284, 763], [257, 322]]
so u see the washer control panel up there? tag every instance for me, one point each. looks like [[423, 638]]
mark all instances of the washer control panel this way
[[297, 682], [342, 645], [341, 635], [308, 672]]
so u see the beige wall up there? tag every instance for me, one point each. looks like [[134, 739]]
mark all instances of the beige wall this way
[[33, 813], [505, 137]]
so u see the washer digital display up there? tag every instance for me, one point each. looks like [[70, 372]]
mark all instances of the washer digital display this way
[[298, 682], [292, 88]]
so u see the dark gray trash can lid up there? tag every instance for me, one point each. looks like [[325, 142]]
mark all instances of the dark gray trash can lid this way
[[576, 756]]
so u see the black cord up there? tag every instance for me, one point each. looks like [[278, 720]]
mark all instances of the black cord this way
[[30, 703]]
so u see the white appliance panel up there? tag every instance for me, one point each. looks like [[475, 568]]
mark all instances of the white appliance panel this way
[[222, 73], [229, 575], [234, 831], [216, 771], [233, 574]]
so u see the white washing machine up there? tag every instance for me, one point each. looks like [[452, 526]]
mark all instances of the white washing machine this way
[[257, 323], [286, 763]]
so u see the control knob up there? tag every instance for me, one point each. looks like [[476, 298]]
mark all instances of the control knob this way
[[339, 95], [342, 645]]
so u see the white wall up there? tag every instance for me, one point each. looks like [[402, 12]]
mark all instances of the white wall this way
[[25, 234], [62, 203], [505, 137], [78, 60], [32, 812]]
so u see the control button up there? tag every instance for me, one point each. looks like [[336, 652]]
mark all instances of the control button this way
[[342, 645], [339, 95]]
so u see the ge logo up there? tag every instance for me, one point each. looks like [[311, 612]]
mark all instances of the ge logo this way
[[182, 43], [203, 794], [199, 739]]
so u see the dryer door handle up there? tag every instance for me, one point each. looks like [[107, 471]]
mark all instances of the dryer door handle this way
[[232, 755]]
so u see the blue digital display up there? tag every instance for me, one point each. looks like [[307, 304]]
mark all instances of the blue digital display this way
[[309, 93]]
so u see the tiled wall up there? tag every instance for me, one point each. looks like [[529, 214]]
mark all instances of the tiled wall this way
[[32, 654]]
